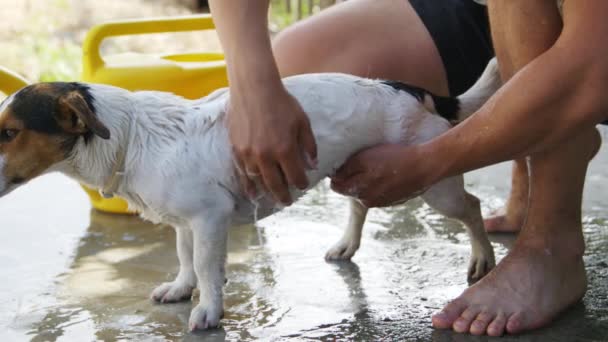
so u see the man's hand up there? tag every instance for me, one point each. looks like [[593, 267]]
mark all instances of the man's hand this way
[[384, 175], [270, 133], [272, 141]]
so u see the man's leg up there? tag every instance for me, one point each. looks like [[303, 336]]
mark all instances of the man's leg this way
[[368, 38], [510, 218], [544, 272], [520, 36]]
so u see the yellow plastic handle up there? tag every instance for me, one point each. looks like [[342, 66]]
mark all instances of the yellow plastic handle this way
[[92, 59], [10, 82]]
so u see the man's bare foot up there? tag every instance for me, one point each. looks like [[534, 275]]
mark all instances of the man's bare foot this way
[[529, 287], [506, 220]]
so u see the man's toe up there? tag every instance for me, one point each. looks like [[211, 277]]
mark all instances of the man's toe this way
[[449, 314], [497, 326], [463, 323], [480, 324], [515, 324]]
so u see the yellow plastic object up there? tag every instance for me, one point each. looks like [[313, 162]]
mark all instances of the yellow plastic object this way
[[115, 205], [10, 82], [191, 75]]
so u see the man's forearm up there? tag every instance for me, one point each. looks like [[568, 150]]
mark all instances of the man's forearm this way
[[552, 98], [243, 30], [549, 100]]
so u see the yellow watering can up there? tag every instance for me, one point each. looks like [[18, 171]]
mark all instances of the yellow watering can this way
[[191, 75], [10, 82]]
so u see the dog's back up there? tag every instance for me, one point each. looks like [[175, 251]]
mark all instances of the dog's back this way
[[347, 114]]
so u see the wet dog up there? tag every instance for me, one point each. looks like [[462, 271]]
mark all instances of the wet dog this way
[[171, 159]]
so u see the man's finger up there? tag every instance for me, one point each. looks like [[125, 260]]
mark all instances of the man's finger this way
[[337, 186], [369, 197], [351, 167], [352, 187], [273, 179], [294, 170], [309, 145], [370, 204], [238, 163], [247, 184], [249, 177]]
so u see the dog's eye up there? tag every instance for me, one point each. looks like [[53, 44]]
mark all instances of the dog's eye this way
[[7, 135]]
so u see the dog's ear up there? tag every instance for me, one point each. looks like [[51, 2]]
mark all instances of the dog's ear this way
[[75, 116]]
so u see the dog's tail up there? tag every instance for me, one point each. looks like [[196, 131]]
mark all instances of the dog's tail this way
[[481, 91], [456, 109]]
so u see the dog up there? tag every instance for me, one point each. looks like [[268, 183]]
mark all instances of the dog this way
[[171, 159]]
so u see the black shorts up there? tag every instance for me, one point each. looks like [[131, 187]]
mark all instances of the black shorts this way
[[461, 32]]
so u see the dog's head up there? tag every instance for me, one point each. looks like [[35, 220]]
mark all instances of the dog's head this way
[[39, 126]]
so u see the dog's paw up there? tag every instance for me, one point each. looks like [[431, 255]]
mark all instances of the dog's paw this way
[[342, 251], [479, 267], [172, 292], [205, 317]]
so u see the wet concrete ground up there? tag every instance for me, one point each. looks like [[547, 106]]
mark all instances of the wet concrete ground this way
[[70, 274]]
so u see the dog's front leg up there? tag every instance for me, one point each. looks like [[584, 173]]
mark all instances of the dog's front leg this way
[[181, 288], [209, 237]]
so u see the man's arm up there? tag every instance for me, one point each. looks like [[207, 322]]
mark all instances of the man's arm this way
[[243, 30], [559, 94], [270, 133], [554, 97]]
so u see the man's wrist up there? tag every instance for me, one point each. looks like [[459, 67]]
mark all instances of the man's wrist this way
[[434, 162], [254, 73]]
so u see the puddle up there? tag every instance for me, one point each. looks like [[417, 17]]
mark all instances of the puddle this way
[[72, 274]]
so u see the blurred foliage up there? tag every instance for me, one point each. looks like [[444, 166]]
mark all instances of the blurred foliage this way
[[58, 62], [48, 52], [285, 12], [43, 54]]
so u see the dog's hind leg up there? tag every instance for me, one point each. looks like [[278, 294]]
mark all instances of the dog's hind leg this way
[[181, 288], [351, 240], [450, 199]]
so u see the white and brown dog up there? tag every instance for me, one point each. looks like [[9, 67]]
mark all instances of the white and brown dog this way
[[172, 160]]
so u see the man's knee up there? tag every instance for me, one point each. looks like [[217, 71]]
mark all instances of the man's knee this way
[[587, 143], [596, 140], [292, 49], [577, 150]]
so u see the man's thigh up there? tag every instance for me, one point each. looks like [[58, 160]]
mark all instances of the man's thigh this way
[[370, 38]]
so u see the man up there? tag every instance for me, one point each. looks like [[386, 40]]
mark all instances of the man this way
[[557, 74], [547, 111]]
